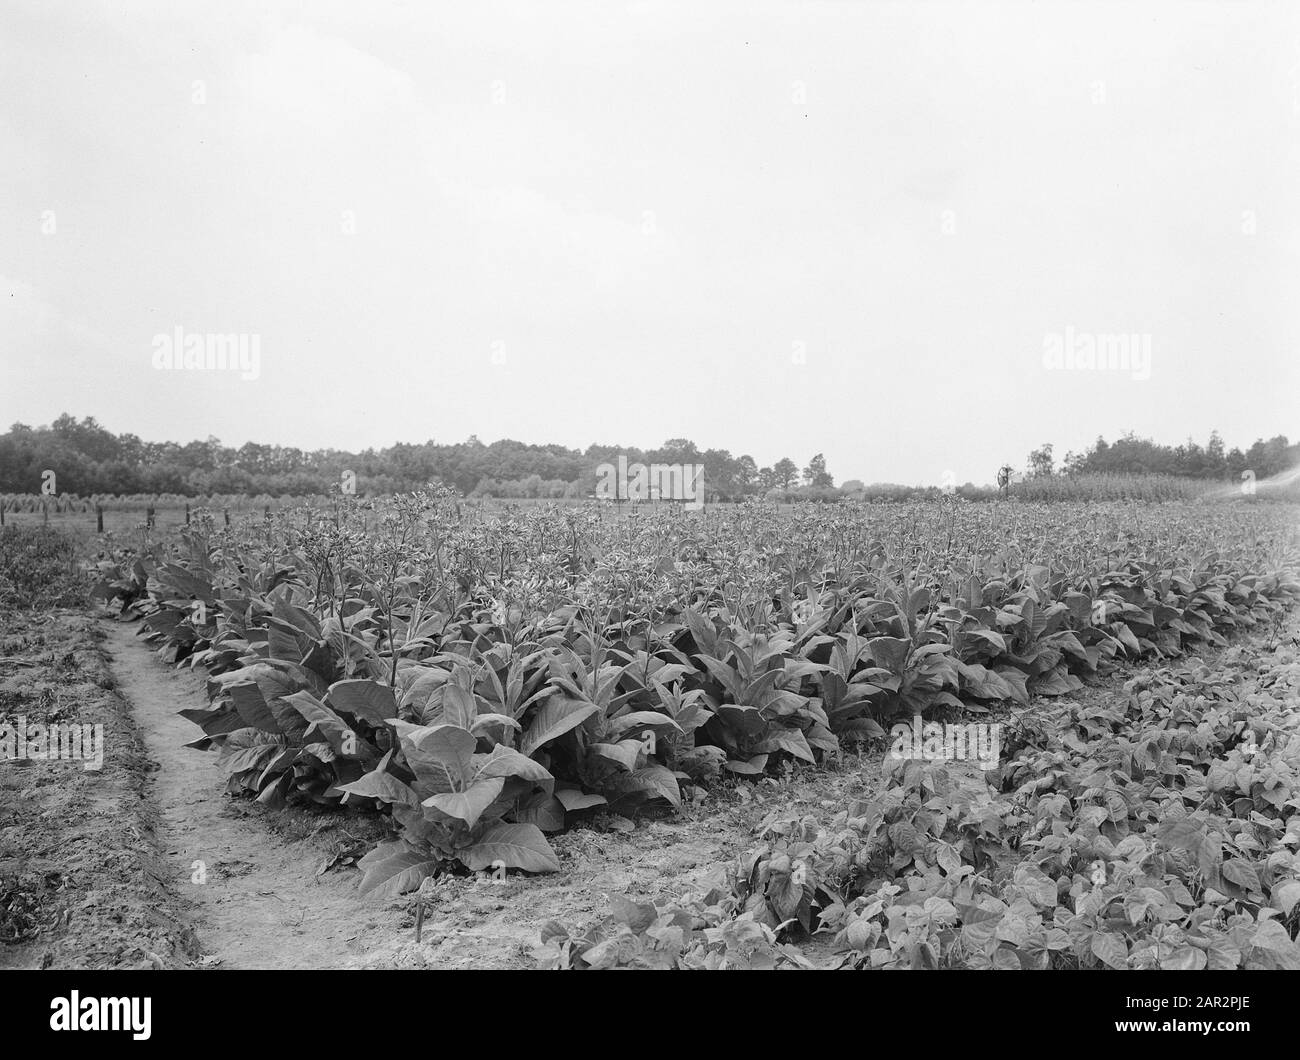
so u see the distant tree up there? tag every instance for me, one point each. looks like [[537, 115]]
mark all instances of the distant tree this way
[[746, 474], [720, 469], [1272, 457], [1040, 461], [676, 451], [1074, 463], [1189, 460], [784, 472], [815, 473], [1214, 454]]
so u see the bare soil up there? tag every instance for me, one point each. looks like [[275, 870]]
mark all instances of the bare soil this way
[[81, 881]]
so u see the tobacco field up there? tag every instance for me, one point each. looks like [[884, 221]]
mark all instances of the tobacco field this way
[[483, 680]]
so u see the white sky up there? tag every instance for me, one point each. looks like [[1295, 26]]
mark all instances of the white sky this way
[[644, 207]]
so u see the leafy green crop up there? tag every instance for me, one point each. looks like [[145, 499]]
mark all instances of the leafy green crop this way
[[1161, 832]]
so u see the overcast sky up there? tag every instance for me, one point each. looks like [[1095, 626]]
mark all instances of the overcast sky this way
[[773, 228]]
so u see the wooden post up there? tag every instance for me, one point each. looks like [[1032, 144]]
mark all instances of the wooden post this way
[[149, 517], [187, 513], [226, 513], [2, 512], [266, 513], [45, 512], [99, 518]]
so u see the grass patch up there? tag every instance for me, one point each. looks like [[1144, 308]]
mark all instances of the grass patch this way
[[38, 568]]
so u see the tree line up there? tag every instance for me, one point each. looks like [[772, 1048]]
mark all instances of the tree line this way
[[89, 459], [1132, 455]]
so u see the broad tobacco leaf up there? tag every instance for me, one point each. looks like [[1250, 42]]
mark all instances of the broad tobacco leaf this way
[[394, 868], [516, 846]]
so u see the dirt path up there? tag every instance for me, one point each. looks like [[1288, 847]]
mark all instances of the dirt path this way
[[250, 883], [80, 879]]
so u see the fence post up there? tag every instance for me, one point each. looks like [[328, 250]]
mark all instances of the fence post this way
[[149, 517], [187, 514], [226, 513], [266, 513], [2, 511], [45, 512], [99, 518]]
